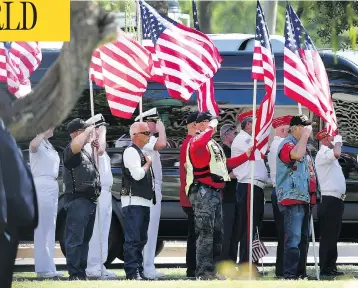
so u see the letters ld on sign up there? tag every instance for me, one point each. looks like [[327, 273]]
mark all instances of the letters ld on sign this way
[[35, 20]]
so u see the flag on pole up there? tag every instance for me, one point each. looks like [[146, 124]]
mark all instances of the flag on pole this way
[[305, 77], [188, 58], [18, 60], [263, 68], [258, 248], [206, 92], [123, 69]]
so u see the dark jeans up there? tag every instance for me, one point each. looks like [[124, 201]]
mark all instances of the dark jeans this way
[[136, 221], [231, 231], [190, 243], [330, 213], [243, 191], [278, 216], [9, 242], [296, 229], [81, 213], [208, 229]]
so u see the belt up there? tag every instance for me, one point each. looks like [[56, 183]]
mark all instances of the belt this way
[[46, 176], [333, 194], [258, 183], [209, 187]]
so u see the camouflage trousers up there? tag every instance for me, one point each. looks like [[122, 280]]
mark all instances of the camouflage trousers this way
[[209, 231]]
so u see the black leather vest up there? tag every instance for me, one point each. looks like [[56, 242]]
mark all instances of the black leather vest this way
[[82, 181], [143, 188]]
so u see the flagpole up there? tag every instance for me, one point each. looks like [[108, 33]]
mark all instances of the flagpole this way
[[139, 36], [252, 177], [96, 160]]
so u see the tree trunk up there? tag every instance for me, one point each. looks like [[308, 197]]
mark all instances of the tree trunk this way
[[204, 16], [300, 9], [53, 98], [160, 5], [270, 11]]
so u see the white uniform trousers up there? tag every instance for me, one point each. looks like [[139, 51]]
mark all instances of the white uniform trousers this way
[[150, 247], [44, 237], [94, 260]]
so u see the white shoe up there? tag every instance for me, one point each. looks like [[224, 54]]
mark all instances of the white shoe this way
[[153, 274], [97, 274], [49, 274], [109, 274]]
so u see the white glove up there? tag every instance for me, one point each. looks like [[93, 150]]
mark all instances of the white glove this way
[[337, 139], [214, 123]]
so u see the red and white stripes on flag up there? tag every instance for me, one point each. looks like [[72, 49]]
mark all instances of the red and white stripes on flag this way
[[305, 77], [123, 69], [187, 57], [263, 68], [258, 250], [206, 98], [18, 60], [157, 70]]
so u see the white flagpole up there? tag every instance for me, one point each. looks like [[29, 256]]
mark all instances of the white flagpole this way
[[95, 158], [139, 36], [312, 223], [252, 178]]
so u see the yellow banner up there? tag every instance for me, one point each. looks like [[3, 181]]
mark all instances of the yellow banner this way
[[35, 20]]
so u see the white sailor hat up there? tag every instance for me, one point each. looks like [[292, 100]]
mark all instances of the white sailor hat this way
[[151, 114]]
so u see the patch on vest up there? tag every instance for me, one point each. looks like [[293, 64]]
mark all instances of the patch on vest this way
[[247, 141], [279, 192]]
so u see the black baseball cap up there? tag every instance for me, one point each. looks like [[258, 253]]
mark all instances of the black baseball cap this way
[[76, 124], [301, 120], [202, 116], [191, 118]]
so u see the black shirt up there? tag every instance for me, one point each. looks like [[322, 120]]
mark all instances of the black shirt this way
[[229, 192]]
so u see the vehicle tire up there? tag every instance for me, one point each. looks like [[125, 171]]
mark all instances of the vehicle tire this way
[[115, 239], [160, 247], [61, 234]]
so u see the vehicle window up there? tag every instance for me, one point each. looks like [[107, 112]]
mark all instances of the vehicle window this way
[[346, 107]]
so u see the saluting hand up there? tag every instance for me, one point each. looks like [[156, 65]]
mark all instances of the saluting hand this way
[[307, 130], [95, 144], [160, 126]]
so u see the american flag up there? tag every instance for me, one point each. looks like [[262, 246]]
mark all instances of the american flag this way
[[258, 248], [188, 58], [123, 69], [206, 92], [305, 77], [263, 68], [17, 62]]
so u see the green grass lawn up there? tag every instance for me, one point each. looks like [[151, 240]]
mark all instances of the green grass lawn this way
[[177, 280]]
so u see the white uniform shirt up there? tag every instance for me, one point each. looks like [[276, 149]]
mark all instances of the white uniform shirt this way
[[156, 164], [131, 160], [45, 161], [272, 157], [105, 170], [240, 145], [329, 172]]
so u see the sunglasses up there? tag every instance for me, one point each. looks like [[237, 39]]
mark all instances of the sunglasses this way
[[146, 133], [231, 129]]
